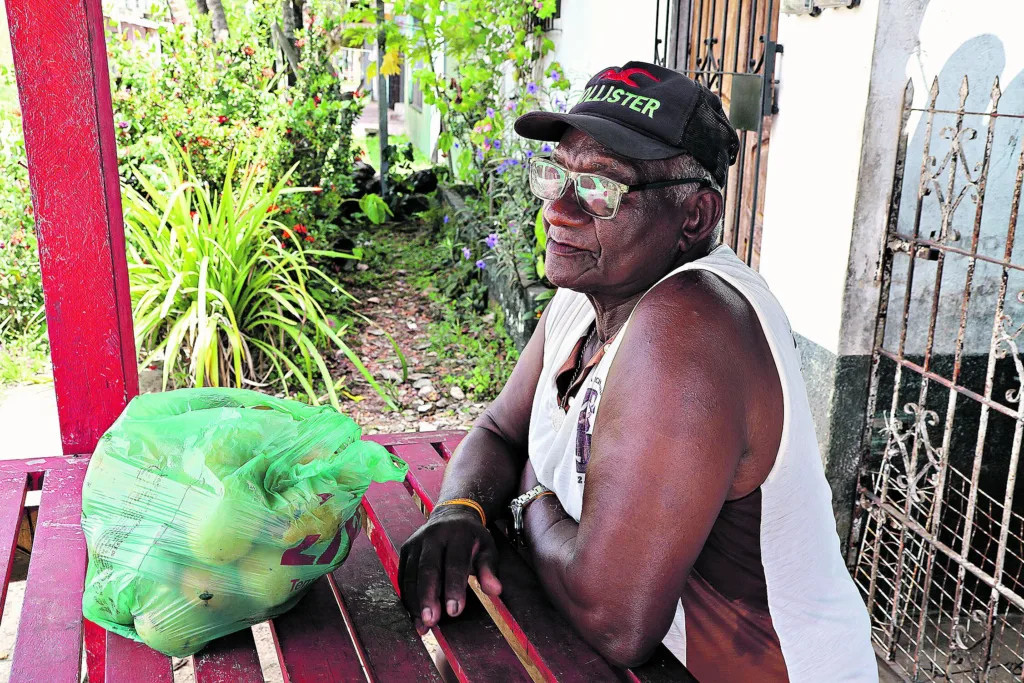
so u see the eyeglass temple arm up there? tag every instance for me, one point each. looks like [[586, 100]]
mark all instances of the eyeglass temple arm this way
[[668, 183]]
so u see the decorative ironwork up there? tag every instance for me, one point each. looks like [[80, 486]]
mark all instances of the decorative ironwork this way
[[716, 42], [938, 541]]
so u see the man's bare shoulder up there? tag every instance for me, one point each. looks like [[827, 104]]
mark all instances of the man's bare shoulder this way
[[697, 310]]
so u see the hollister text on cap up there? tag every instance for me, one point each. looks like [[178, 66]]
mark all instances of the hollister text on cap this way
[[645, 111]]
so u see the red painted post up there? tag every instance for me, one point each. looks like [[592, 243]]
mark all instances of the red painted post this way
[[60, 60], [61, 64]]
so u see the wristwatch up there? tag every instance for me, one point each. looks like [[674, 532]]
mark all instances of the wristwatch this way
[[519, 504]]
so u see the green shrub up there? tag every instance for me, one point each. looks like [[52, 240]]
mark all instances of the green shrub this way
[[21, 292], [224, 289]]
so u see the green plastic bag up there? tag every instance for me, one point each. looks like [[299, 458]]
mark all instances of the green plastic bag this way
[[208, 510]]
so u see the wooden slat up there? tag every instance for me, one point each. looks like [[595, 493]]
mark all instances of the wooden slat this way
[[128, 662], [426, 471], [381, 624], [412, 437], [549, 641], [312, 640], [472, 643], [231, 659], [448, 445], [49, 642], [38, 465], [12, 508]]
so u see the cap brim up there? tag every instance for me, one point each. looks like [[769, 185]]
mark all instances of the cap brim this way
[[621, 139]]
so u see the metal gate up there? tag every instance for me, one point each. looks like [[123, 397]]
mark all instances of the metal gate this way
[[730, 47], [938, 540]]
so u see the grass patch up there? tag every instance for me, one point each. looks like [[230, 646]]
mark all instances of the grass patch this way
[[479, 346], [474, 348], [24, 356], [371, 148]]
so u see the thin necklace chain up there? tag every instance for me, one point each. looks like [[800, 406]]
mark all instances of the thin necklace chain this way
[[579, 366]]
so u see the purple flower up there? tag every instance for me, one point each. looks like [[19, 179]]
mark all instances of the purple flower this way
[[481, 264], [446, 219], [547, 149], [497, 144], [456, 145], [555, 76], [529, 153], [502, 167], [510, 106], [492, 240], [559, 104], [531, 88], [479, 155], [514, 231], [466, 253], [513, 162], [490, 112], [123, 124]]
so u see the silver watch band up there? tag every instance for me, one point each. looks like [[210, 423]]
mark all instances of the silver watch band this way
[[519, 505]]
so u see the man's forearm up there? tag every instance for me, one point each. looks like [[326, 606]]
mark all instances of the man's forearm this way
[[485, 468], [551, 539]]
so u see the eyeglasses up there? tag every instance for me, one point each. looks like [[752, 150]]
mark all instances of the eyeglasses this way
[[598, 196]]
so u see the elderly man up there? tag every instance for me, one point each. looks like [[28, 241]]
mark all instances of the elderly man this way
[[654, 442]]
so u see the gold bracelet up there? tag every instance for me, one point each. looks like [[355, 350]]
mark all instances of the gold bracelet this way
[[468, 503]]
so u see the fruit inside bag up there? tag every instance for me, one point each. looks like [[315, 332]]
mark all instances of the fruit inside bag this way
[[208, 510]]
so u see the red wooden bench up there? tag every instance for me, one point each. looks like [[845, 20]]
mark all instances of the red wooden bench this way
[[351, 626]]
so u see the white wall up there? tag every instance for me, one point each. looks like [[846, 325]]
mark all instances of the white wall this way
[[593, 34], [813, 164], [923, 40]]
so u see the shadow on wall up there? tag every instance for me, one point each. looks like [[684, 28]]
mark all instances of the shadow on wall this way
[[956, 154]]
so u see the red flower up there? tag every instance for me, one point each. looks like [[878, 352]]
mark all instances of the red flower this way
[[249, 51], [309, 238], [301, 42], [267, 72], [316, 98], [204, 142], [358, 93], [287, 209], [191, 214], [222, 119], [318, 190], [285, 234], [300, 228], [272, 208]]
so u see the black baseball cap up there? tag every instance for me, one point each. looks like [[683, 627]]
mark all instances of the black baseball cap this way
[[645, 111]]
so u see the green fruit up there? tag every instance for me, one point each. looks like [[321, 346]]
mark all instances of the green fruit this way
[[220, 536], [267, 582]]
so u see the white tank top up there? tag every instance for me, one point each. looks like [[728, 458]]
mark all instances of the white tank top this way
[[816, 611]]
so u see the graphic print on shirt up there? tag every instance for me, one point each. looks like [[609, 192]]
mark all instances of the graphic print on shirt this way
[[585, 427]]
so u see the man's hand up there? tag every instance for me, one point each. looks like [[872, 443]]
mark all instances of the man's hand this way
[[437, 561]]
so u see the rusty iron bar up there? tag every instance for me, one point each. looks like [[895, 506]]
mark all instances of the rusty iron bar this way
[[904, 243], [756, 194], [912, 473], [976, 571], [951, 163], [979, 450], [970, 113], [979, 186], [882, 321], [910, 365], [1004, 529], [725, 35]]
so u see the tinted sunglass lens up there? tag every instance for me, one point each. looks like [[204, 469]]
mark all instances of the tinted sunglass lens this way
[[596, 196], [547, 181]]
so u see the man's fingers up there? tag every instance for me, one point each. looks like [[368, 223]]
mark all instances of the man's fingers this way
[[428, 583], [408, 569], [458, 561], [486, 563]]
